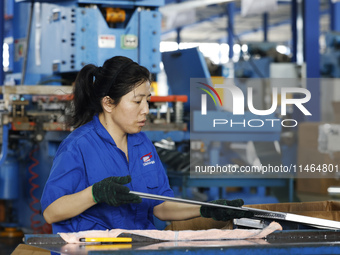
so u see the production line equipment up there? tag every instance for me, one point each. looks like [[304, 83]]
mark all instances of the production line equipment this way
[[34, 121], [48, 43], [32, 130], [219, 138]]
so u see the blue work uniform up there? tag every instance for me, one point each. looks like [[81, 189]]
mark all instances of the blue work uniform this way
[[89, 155]]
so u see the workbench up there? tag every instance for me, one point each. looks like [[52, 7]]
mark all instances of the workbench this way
[[279, 242]]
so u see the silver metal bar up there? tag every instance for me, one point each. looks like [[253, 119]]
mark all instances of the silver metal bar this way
[[258, 213], [252, 223], [181, 200]]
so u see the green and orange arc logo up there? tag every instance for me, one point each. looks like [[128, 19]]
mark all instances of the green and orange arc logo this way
[[210, 94]]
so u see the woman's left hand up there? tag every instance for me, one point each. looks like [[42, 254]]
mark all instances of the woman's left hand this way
[[224, 214]]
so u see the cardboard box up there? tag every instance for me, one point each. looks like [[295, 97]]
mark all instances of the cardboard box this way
[[336, 112], [329, 210], [308, 133], [308, 154], [24, 249], [316, 186]]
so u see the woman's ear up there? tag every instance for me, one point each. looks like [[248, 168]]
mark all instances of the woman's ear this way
[[107, 104]]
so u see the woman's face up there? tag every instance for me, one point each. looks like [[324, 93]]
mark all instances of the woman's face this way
[[130, 114]]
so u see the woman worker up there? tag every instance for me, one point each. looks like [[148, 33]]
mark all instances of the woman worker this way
[[97, 165]]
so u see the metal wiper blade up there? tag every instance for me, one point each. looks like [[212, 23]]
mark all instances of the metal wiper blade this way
[[258, 213]]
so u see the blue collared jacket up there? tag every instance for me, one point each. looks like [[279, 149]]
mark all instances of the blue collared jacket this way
[[88, 155]]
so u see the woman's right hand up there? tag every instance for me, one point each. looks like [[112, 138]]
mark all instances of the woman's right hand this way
[[112, 191]]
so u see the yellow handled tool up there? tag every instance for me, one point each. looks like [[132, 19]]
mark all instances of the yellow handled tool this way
[[106, 239]]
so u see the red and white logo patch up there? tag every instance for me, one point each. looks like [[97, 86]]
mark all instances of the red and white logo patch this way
[[147, 159]]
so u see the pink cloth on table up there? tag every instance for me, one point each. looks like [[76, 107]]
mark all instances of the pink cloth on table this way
[[184, 235], [207, 243]]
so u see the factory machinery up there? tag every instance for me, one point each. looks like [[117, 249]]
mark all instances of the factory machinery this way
[[58, 39], [45, 54], [226, 146]]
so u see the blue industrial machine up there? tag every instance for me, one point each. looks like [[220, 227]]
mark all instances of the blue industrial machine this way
[[330, 65], [187, 71], [48, 43], [66, 35]]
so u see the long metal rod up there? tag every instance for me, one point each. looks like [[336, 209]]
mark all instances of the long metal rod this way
[[181, 200], [258, 213]]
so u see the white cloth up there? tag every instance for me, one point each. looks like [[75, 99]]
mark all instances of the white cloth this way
[[184, 235]]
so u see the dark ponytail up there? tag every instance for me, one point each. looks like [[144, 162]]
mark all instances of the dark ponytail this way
[[117, 77], [85, 105]]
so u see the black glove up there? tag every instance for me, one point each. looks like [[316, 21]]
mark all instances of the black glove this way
[[225, 214], [112, 192]]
